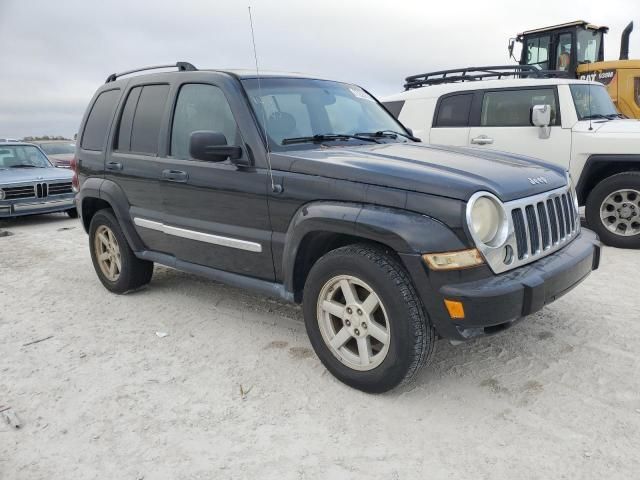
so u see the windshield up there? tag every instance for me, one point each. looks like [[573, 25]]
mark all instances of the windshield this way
[[299, 108], [592, 101], [22, 156], [58, 148]]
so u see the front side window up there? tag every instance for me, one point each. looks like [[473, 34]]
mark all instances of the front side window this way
[[454, 111], [95, 130], [592, 101], [294, 108], [201, 107], [512, 108], [588, 45], [22, 156], [537, 51]]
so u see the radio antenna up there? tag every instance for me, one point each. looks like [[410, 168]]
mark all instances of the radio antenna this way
[[274, 188]]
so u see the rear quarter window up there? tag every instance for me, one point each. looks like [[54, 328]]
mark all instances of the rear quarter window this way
[[147, 120], [394, 107], [453, 111], [99, 120]]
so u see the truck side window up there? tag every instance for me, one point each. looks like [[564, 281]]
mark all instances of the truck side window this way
[[95, 130], [394, 107], [512, 108], [201, 107], [454, 111]]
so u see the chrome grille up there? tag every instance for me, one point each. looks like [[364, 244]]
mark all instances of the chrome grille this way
[[537, 226], [59, 188], [549, 223], [24, 191]]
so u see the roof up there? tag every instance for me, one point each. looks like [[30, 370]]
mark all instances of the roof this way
[[436, 91], [577, 23]]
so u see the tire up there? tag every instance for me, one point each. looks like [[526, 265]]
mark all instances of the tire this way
[[400, 313], [132, 273], [621, 192], [72, 212]]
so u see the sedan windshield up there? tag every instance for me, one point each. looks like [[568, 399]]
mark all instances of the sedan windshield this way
[[22, 156], [592, 102], [303, 111], [58, 148]]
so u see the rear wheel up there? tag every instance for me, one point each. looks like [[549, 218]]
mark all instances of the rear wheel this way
[[613, 210], [117, 267], [365, 320]]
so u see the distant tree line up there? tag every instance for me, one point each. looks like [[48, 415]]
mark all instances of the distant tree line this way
[[44, 137]]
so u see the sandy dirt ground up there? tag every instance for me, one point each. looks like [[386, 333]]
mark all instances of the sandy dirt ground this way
[[234, 390]]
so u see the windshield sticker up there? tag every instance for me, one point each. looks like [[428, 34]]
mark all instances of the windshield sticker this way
[[359, 93]]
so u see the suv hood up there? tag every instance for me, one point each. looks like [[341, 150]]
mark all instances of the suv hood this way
[[23, 175], [437, 170], [631, 126]]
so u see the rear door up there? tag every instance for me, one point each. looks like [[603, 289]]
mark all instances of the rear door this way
[[451, 120], [215, 212], [503, 122], [133, 162]]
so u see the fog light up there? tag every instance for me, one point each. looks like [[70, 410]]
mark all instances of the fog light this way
[[455, 308], [453, 260]]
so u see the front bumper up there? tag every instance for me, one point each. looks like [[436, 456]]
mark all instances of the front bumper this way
[[31, 207], [496, 302]]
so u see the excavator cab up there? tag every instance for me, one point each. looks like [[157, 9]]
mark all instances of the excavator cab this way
[[561, 47]]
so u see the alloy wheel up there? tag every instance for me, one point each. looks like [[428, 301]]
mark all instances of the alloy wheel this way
[[107, 253], [620, 212]]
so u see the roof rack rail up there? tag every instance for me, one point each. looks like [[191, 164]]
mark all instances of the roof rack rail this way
[[181, 66], [480, 73]]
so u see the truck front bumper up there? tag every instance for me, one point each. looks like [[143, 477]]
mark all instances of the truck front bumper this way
[[31, 207], [496, 302]]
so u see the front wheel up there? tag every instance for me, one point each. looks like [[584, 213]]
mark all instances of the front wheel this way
[[613, 210], [365, 320]]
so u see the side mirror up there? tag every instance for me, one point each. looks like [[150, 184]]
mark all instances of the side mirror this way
[[541, 117], [212, 147]]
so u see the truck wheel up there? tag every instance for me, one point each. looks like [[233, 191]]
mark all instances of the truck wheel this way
[[364, 319], [117, 267], [613, 210]]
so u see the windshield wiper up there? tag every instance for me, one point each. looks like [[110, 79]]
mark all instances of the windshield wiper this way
[[390, 134], [610, 116], [23, 165], [326, 137]]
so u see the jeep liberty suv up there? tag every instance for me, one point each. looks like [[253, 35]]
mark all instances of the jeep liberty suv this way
[[310, 191]]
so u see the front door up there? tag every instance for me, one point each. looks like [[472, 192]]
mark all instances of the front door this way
[[505, 124], [215, 212]]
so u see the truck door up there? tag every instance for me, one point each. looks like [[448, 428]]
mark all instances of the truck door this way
[[504, 124], [451, 120]]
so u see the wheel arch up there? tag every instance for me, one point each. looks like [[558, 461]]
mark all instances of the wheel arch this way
[[599, 167], [321, 227]]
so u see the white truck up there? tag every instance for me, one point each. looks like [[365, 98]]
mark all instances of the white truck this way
[[568, 122]]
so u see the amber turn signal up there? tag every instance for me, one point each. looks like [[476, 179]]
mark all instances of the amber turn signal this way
[[453, 260], [455, 309]]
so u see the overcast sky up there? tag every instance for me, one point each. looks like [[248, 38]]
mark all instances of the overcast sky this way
[[55, 53]]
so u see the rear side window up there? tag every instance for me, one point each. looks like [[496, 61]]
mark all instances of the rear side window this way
[[394, 107], [148, 118], [454, 111], [512, 108], [94, 136], [126, 121], [201, 107]]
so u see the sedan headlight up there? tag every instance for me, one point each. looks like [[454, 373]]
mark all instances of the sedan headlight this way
[[2, 194], [487, 219]]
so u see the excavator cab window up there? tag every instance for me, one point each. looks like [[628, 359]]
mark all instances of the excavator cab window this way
[[537, 51], [563, 52], [589, 42]]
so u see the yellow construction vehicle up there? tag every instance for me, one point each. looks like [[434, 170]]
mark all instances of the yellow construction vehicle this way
[[578, 49]]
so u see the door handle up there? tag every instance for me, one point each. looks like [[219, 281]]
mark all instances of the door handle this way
[[175, 175], [482, 140], [115, 166]]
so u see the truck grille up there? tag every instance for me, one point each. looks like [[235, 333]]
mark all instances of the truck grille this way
[[59, 188], [543, 224], [25, 191], [539, 226]]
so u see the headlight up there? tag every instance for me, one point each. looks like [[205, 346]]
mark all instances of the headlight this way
[[487, 219], [2, 195]]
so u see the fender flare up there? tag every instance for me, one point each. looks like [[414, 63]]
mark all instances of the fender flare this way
[[403, 231], [599, 163], [111, 193]]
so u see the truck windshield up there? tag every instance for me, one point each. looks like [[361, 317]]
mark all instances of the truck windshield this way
[[592, 101], [304, 111]]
